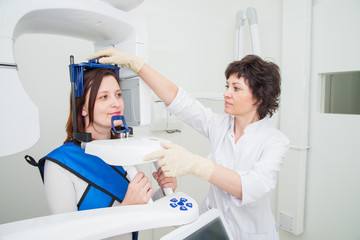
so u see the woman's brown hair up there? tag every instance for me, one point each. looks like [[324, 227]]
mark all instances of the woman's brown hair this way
[[91, 81], [264, 80]]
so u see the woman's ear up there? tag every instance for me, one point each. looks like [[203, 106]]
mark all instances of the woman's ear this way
[[84, 113]]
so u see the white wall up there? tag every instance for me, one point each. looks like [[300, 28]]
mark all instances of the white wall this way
[[191, 42], [332, 186], [333, 176]]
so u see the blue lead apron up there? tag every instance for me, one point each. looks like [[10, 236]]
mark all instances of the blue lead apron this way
[[105, 183]]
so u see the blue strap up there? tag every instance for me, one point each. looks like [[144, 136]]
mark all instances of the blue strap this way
[[94, 198]]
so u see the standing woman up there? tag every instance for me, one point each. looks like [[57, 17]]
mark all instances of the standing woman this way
[[76, 181], [246, 151]]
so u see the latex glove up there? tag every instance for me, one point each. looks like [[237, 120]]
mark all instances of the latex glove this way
[[116, 56], [175, 161]]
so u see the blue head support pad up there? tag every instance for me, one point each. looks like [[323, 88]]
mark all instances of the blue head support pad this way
[[77, 73], [77, 85]]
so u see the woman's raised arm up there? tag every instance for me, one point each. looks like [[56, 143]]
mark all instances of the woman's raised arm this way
[[162, 87]]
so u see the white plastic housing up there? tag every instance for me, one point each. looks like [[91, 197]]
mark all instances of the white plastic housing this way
[[123, 152], [126, 152], [104, 222], [19, 121], [97, 21]]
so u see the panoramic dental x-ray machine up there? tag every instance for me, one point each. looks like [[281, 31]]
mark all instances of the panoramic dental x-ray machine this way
[[94, 21]]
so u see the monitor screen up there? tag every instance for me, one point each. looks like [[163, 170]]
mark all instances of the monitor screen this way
[[210, 225], [214, 230]]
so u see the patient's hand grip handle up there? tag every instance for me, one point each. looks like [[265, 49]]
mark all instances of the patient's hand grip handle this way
[[132, 171], [167, 191]]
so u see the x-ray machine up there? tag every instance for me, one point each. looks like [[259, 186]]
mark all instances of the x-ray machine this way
[[106, 24]]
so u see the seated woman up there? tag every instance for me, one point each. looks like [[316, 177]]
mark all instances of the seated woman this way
[[77, 181]]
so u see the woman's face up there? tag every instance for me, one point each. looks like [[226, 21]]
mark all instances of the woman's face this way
[[238, 98], [108, 103]]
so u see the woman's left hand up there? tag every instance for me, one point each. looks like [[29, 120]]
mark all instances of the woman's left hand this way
[[163, 181], [176, 161]]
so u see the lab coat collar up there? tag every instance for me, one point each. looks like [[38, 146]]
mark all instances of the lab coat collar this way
[[251, 128]]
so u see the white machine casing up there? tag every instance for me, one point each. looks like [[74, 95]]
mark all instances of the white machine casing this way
[[104, 222], [125, 151], [94, 20], [104, 24]]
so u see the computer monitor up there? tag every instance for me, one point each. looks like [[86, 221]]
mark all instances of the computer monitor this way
[[209, 226]]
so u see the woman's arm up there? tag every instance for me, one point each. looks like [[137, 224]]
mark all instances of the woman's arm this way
[[175, 161], [224, 178], [227, 179], [59, 189], [163, 88]]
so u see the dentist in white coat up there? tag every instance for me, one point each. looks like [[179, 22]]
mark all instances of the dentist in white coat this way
[[246, 151]]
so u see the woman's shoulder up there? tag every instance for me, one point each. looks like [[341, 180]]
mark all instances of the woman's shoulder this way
[[223, 120], [66, 148], [272, 132], [278, 138], [220, 126]]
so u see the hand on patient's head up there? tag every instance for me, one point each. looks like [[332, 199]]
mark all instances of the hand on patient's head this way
[[119, 57]]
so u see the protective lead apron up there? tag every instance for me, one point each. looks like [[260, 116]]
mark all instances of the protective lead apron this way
[[105, 183]]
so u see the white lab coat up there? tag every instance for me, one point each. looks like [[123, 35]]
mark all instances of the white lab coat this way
[[256, 157]]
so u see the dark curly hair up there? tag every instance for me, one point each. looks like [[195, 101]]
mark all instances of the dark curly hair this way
[[264, 80]]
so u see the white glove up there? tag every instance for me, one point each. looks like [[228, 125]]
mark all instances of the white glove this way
[[175, 161], [116, 56]]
